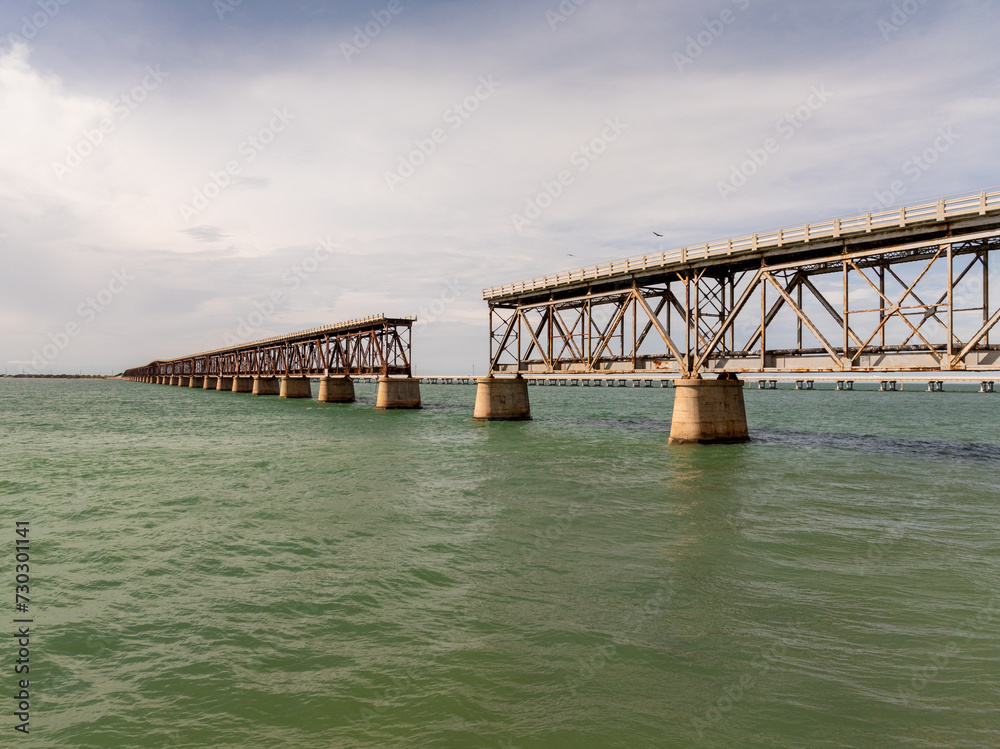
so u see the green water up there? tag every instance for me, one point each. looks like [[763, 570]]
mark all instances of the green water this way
[[214, 569]]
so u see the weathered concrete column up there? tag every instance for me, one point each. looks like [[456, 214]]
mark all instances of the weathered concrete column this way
[[296, 387], [266, 386], [336, 390], [224, 383], [708, 412], [398, 392], [183, 382], [196, 382], [243, 384], [502, 399], [210, 383]]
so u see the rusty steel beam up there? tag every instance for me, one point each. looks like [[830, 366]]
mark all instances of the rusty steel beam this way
[[376, 345]]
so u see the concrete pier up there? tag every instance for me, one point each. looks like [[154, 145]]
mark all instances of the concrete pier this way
[[183, 382], [502, 399], [196, 382], [223, 383], [266, 386], [398, 392], [336, 390], [243, 384], [208, 383], [295, 387], [708, 412]]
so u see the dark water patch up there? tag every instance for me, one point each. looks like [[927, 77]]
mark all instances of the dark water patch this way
[[972, 452]]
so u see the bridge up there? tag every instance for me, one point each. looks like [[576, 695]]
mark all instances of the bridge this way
[[905, 289], [283, 365]]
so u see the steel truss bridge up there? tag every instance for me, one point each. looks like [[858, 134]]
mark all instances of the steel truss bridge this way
[[376, 345], [903, 289]]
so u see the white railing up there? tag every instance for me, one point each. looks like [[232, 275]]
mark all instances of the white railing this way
[[945, 208]]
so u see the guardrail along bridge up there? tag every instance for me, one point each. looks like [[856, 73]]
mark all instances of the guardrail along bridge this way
[[282, 365], [905, 289]]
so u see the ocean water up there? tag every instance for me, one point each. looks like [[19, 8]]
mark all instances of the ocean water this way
[[216, 569]]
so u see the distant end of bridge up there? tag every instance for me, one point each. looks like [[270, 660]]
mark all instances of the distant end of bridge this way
[[283, 365]]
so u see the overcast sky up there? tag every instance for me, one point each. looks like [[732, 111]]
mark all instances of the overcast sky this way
[[176, 175]]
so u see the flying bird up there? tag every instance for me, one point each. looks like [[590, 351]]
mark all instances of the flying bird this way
[[659, 235]]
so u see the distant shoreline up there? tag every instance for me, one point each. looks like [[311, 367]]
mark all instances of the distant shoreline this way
[[56, 377]]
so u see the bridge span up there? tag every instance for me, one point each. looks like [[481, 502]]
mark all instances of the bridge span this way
[[283, 365], [905, 289]]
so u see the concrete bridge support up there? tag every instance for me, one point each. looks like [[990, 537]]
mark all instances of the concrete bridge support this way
[[243, 384], [502, 399], [296, 387], [224, 383], [209, 383], [196, 382], [336, 390], [708, 412], [398, 392], [266, 386], [183, 382]]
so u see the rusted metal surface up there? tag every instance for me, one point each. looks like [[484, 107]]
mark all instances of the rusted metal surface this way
[[376, 345], [872, 295]]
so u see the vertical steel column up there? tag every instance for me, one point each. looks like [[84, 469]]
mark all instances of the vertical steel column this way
[[846, 312], [635, 332], [732, 304], [551, 317], [881, 303], [798, 320], [589, 317], [519, 318], [951, 305], [985, 257], [763, 323], [687, 322]]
